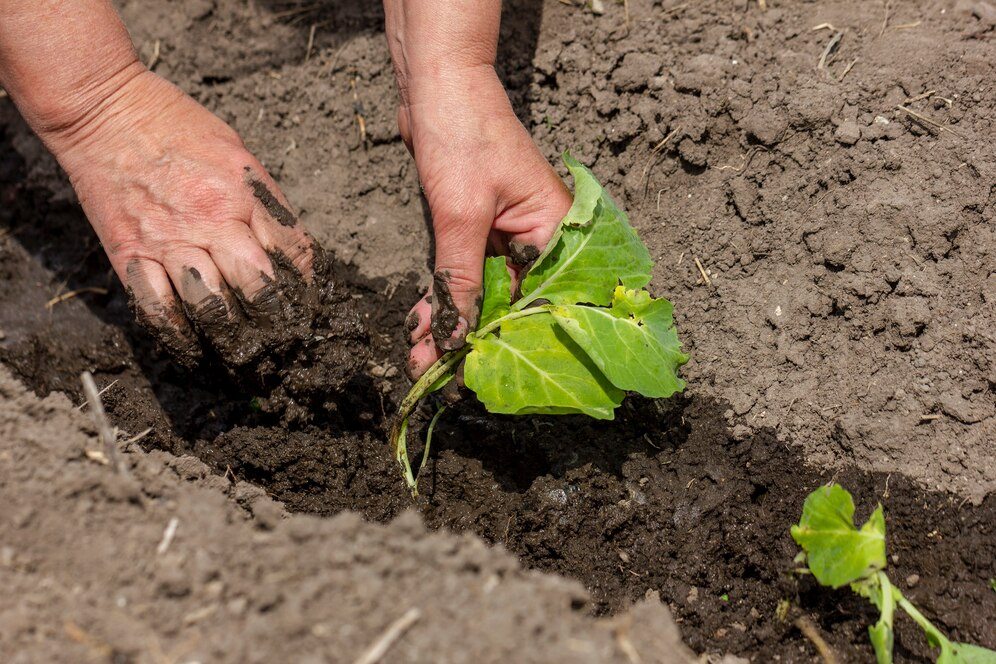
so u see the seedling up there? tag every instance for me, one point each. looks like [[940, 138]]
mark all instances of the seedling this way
[[839, 554], [582, 333]]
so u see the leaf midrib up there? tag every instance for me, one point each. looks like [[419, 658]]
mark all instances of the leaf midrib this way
[[546, 375], [535, 294]]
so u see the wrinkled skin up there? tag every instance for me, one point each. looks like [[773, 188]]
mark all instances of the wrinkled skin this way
[[189, 218], [488, 187], [490, 192], [213, 258]]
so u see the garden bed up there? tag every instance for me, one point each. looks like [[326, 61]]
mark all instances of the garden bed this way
[[829, 256]]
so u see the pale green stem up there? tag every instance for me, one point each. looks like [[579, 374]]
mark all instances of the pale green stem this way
[[495, 324], [888, 599], [434, 373], [428, 443], [934, 635]]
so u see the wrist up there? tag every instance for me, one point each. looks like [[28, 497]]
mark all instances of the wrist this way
[[61, 61], [448, 84], [440, 41], [110, 121], [74, 111]]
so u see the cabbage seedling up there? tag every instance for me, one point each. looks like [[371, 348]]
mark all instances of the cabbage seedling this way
[[839, 554], [582, 334]]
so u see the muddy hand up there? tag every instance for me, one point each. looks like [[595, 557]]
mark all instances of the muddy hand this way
[[182, 209], [490, 191], [488, 187]]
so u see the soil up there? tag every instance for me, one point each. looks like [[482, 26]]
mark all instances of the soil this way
[[159, 564], [845, 329]]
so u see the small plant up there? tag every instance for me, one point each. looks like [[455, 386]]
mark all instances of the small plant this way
[[838, 554], [582, 333]]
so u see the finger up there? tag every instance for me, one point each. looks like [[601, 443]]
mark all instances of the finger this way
[[422, 356], [404, 128], [419, 318], [525, 246], [456, 281], [246, 269], [208, 302], [529, 226], [152, 298], [276, 227]]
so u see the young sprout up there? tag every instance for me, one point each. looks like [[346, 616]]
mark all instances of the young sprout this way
[[840, 554], [582, 334]]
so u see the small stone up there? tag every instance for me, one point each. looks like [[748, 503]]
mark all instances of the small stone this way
[[848, 133], [912, 580]]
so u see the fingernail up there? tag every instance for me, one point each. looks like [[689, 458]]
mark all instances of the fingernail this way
[[458, 337], [522, 254], [411, 323]]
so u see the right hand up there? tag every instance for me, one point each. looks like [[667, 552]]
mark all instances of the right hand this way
[[188, 217]]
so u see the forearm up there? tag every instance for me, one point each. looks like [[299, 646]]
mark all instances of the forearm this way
[[433, 42], [61, 61]]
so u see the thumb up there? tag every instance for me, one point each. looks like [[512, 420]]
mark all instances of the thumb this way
[[456, 281]]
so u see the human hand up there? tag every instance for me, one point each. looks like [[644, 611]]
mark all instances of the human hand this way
[[489, 190], [183, 209]]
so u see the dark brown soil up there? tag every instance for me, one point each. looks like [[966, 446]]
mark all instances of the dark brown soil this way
[[851, 263]]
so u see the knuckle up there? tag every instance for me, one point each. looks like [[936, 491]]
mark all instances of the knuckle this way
[[459, 278], [212, 200]]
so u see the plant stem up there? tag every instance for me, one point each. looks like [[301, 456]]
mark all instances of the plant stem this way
[[495, 324], [428, 442], [934, 635], [888, 598], [443, 368], [422, 386]]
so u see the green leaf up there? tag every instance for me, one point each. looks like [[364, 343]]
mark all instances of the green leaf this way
[[879, 590], [587, 192], [966, 653], [593, 250], [837, 552], [633, 342], [497, 291], [533, 366]]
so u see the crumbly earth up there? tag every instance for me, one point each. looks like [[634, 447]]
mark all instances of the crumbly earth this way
[[849, 244], [845, 332], [168, 562]]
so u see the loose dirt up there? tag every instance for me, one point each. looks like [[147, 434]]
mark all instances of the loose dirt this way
[[845, 330], [159, 564]]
